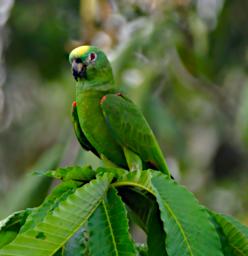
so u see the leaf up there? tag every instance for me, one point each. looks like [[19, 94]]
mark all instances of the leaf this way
[[108, 228], [10, 226], [226, 248], [59, 225], [186, 223], [59, 194], [76, 244], [145, 213], [139, 212], [115, 171], [133, 187], [137, 179], [235, 233], [70, 173], [155, 234], [60, 252]]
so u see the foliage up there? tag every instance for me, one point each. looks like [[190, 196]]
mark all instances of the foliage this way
[[185, 66], [90, 216]]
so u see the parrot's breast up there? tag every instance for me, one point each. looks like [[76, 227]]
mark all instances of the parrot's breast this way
[[94, 126]]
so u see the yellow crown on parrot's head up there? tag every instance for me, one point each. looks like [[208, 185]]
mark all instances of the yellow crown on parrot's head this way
[[79, 51]]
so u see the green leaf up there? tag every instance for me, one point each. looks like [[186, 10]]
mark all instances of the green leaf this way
[[186, 223], [76, 244], [60, 252], [70, 173], [139, 212], [10, 226], [59, 194], [235, 233], [146, 214], [59, 225], [137, 179], [155, 234], [226, 248], [135, 187], [108, 228], [116, 172]]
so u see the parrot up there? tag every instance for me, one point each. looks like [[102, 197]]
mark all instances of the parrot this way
[[106, 122]]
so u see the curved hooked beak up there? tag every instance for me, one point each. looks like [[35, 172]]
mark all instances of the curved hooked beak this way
[[78, 69]]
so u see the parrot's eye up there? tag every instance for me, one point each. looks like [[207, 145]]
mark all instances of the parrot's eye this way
[[92, 56]]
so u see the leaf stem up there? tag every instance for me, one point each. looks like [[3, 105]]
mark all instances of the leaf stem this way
[[131, 183]]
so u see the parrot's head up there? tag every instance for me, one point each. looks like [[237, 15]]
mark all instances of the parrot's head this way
[[90, 66]]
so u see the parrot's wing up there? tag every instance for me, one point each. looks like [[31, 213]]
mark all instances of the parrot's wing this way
[[131, 130], [79, 133]]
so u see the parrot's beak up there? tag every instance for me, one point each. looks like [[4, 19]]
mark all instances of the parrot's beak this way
[[78, 69]]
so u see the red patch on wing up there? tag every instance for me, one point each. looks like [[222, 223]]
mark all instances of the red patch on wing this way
[[74, 103], [103, 99]]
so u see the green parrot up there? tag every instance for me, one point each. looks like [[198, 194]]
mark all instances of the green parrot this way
[[105, 121]]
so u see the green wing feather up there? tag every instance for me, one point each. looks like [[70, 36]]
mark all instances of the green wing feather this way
[[131, 130], [79, 133]]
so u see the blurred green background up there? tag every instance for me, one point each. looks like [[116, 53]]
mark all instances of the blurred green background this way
[[183, 62]]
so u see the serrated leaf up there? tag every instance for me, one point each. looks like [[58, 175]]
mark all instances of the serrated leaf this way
[[10, 226], [76, 173], [59, 194], [59, 225], [108, 228], [135, 187], [116, 172], [141, 180], [235, 233], [189, 231], [226, 248], [139, 212], [145, 213]]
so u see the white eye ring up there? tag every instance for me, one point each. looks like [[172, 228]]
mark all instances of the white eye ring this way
[[92, 56]]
